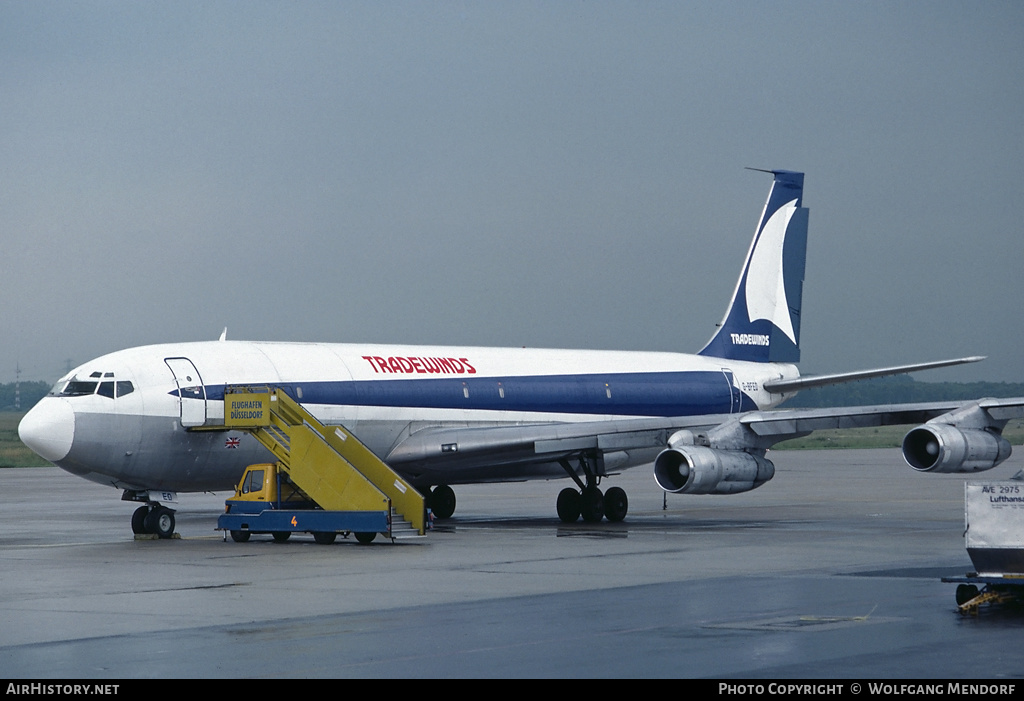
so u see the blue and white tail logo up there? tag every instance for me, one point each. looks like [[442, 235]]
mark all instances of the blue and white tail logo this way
[[763, 320]]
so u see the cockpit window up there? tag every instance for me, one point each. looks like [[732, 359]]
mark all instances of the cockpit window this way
[[77, 387], [107, 388]]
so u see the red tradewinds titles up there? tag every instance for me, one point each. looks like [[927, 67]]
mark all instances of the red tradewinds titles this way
[[423, 366]]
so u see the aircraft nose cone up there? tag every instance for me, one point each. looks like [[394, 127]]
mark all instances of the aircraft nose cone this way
[[49, 428]]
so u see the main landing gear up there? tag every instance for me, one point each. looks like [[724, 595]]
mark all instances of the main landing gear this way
[[589, 502], [152, 518]]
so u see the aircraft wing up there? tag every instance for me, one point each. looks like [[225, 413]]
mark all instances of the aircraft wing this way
[[434, 449], [791, 423]]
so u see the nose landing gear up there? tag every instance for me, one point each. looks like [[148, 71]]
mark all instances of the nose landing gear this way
[[152, 518]]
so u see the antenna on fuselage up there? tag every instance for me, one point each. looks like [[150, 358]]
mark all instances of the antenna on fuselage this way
[[223, 334]]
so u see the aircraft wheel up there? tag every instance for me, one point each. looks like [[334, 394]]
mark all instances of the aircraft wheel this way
[[139, 520], [365, 538], [964, 593], [240, 536], [281, 536], [592, 505], [568, 505], [324, 538], [442, 501], [160, 521], [615, 504]]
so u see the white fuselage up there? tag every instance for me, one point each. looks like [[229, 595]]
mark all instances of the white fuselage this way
[[128, 419]]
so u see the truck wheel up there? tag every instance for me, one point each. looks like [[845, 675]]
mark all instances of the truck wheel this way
[[281, 536], [240, 536], [324, 538], [365, 538]]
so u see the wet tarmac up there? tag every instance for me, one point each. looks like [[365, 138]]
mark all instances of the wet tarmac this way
[[832, 570]]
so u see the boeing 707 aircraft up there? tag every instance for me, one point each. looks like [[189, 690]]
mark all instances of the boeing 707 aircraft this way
[[138, 419]]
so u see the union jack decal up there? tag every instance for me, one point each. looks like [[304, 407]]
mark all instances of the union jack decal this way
[[232, 443]]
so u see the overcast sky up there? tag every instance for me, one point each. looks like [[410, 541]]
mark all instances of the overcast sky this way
[[552, 174]]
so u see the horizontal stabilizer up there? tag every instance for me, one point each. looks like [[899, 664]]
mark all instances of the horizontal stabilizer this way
[[839, 378]]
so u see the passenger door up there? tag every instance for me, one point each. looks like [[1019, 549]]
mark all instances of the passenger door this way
[[191, 392]]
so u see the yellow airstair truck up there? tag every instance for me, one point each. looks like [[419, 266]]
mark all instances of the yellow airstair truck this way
[[325, 481]]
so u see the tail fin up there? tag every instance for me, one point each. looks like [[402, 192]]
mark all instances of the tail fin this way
[[763, 320]]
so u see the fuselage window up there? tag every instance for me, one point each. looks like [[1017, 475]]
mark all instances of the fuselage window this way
[[124, 387], [106, 389]]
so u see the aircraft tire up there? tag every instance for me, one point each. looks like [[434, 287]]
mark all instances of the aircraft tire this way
[[323, 538], [365, 538], [616, 504], [568, 505], [281, 536], [592, 505], [139, 520], [442, 501], [160, 522], [240, 536]]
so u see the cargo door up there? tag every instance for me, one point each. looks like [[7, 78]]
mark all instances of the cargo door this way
[[191, 392]]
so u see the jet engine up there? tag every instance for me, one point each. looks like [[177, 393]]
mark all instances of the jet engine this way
[[940, 447], [695, 469]]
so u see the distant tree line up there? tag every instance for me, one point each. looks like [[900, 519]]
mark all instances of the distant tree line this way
[[30, 393]]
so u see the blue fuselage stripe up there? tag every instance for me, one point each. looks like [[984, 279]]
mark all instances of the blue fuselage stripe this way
[[622, 394]]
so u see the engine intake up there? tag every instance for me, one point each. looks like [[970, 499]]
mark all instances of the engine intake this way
[[941, 447], [699, 470]]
